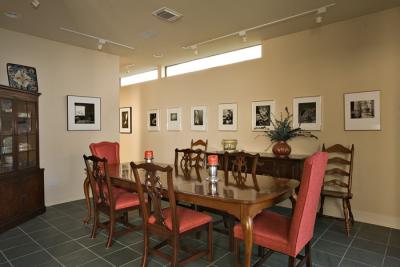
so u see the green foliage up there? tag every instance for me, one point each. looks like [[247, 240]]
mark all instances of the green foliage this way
[[283, 130]]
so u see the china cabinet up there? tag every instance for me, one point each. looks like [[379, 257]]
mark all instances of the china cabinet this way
[[21, 178]]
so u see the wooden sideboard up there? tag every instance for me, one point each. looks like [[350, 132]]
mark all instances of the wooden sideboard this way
[[269, 164]]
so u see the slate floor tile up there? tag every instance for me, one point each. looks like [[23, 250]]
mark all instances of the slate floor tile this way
[[64, 249], [122, 256], [14, 242], [393, 252], [34, 259], [33, 225], [337, 237], [350, 263], [330, 247], [364, 256], [102, 250], [369, 245], [77, 258], [12, 233], [51, 241], [19, 251], [2, 259], [391, 262], [324, 259], [97, 263]]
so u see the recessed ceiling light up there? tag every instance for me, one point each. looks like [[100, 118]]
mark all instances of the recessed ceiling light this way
[[11, 14], [129, 66], [158, 55]]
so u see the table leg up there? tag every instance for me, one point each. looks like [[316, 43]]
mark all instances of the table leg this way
[[247, 226], [88, 206]]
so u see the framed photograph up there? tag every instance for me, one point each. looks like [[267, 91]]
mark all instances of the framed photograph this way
[[362, 111], [307, 113], [22, 77], [125, 120], [261, 115], [198, 118], [83, 113], [227, 117], [174, 119], [153, 120]]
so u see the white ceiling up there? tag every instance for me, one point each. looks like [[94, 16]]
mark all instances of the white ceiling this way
[[130, 22]]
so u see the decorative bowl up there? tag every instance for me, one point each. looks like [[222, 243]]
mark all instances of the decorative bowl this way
[[229, 144]]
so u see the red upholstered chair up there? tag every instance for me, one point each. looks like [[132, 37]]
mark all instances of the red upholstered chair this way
[[290, 235], [113, 203], [108, 150], [168, 223]]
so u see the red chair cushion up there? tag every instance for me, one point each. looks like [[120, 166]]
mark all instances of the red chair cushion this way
[[270, 230], [124, 199], [107, 150], [188, 219]]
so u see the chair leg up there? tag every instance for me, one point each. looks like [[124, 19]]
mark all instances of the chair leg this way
[[346, 217], [308, 255], [175, 248], [350, 212], [321, 208], [145, 247], [292, 261], [236, 252], [210, 242], [95, 224], [86, 185], [111, 229]]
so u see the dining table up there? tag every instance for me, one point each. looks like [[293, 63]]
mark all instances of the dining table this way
[[243, 202]]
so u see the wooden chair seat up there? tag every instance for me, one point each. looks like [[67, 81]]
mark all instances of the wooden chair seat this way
[[188, 219], [336, 194]]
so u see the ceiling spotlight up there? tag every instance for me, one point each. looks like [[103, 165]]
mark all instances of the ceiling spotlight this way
[[11, 14], [318, 19], [35, 3], [158, 55], [243, 35], [322, 10], [101, 43], [195, 49]]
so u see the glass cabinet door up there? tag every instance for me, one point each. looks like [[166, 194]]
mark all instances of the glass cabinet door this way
[[6, 136]]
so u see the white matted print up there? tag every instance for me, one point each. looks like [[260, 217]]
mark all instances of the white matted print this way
[[198, 118], [261, 115], [307, 113], [83, 113], [153, 120], [174, 119], [125, 120], [227, 117], [362, 111]]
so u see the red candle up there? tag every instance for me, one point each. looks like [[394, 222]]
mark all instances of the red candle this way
[[212, 160], [148, 154]]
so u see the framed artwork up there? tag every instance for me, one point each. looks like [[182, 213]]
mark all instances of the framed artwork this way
[[261, 112], [362, 111], [174, 119], [227, 117], [307, 113], [125, 120], [83, 113], [22, 77], [153, 120], [198, 118]]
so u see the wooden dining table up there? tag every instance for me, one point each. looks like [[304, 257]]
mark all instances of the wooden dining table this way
[[244, 202]]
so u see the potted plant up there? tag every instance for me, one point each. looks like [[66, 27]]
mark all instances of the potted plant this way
[[282, 132]]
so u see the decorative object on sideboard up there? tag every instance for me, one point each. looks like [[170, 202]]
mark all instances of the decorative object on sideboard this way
[[307, 113], [22, 77], [229, 144], [362, 111], [261, 115], [125, 120], [282, 132], [83, 113]]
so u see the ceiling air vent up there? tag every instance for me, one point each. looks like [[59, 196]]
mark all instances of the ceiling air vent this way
[[167, 14]]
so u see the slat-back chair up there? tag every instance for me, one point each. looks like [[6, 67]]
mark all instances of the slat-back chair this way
[[168, 223], [200, 144], [187, 159], [239, 168], [339, 180], [106, 199]]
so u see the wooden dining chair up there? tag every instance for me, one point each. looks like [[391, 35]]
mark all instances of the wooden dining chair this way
[[240, 164], [168, 223], [203, 145], [106, 199], [186, 160], [287, 235], [338, 180]]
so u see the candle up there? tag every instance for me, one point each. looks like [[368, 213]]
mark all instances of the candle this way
[[148, 154], [212, 160]]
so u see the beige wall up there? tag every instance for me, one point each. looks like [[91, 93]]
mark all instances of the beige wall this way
[[65, 70], [356, 55]]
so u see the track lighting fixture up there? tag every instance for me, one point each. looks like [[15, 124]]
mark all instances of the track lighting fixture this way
[[100, 43], [243, 33], [35, 3]]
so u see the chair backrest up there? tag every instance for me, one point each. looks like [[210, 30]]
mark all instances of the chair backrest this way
[[200, 144], [147, 179], [100, 182], [341, 160], [108, 150], [303, 220], [239, 168], [187, 159]]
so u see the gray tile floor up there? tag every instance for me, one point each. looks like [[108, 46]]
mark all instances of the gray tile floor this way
[[59, 238]]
